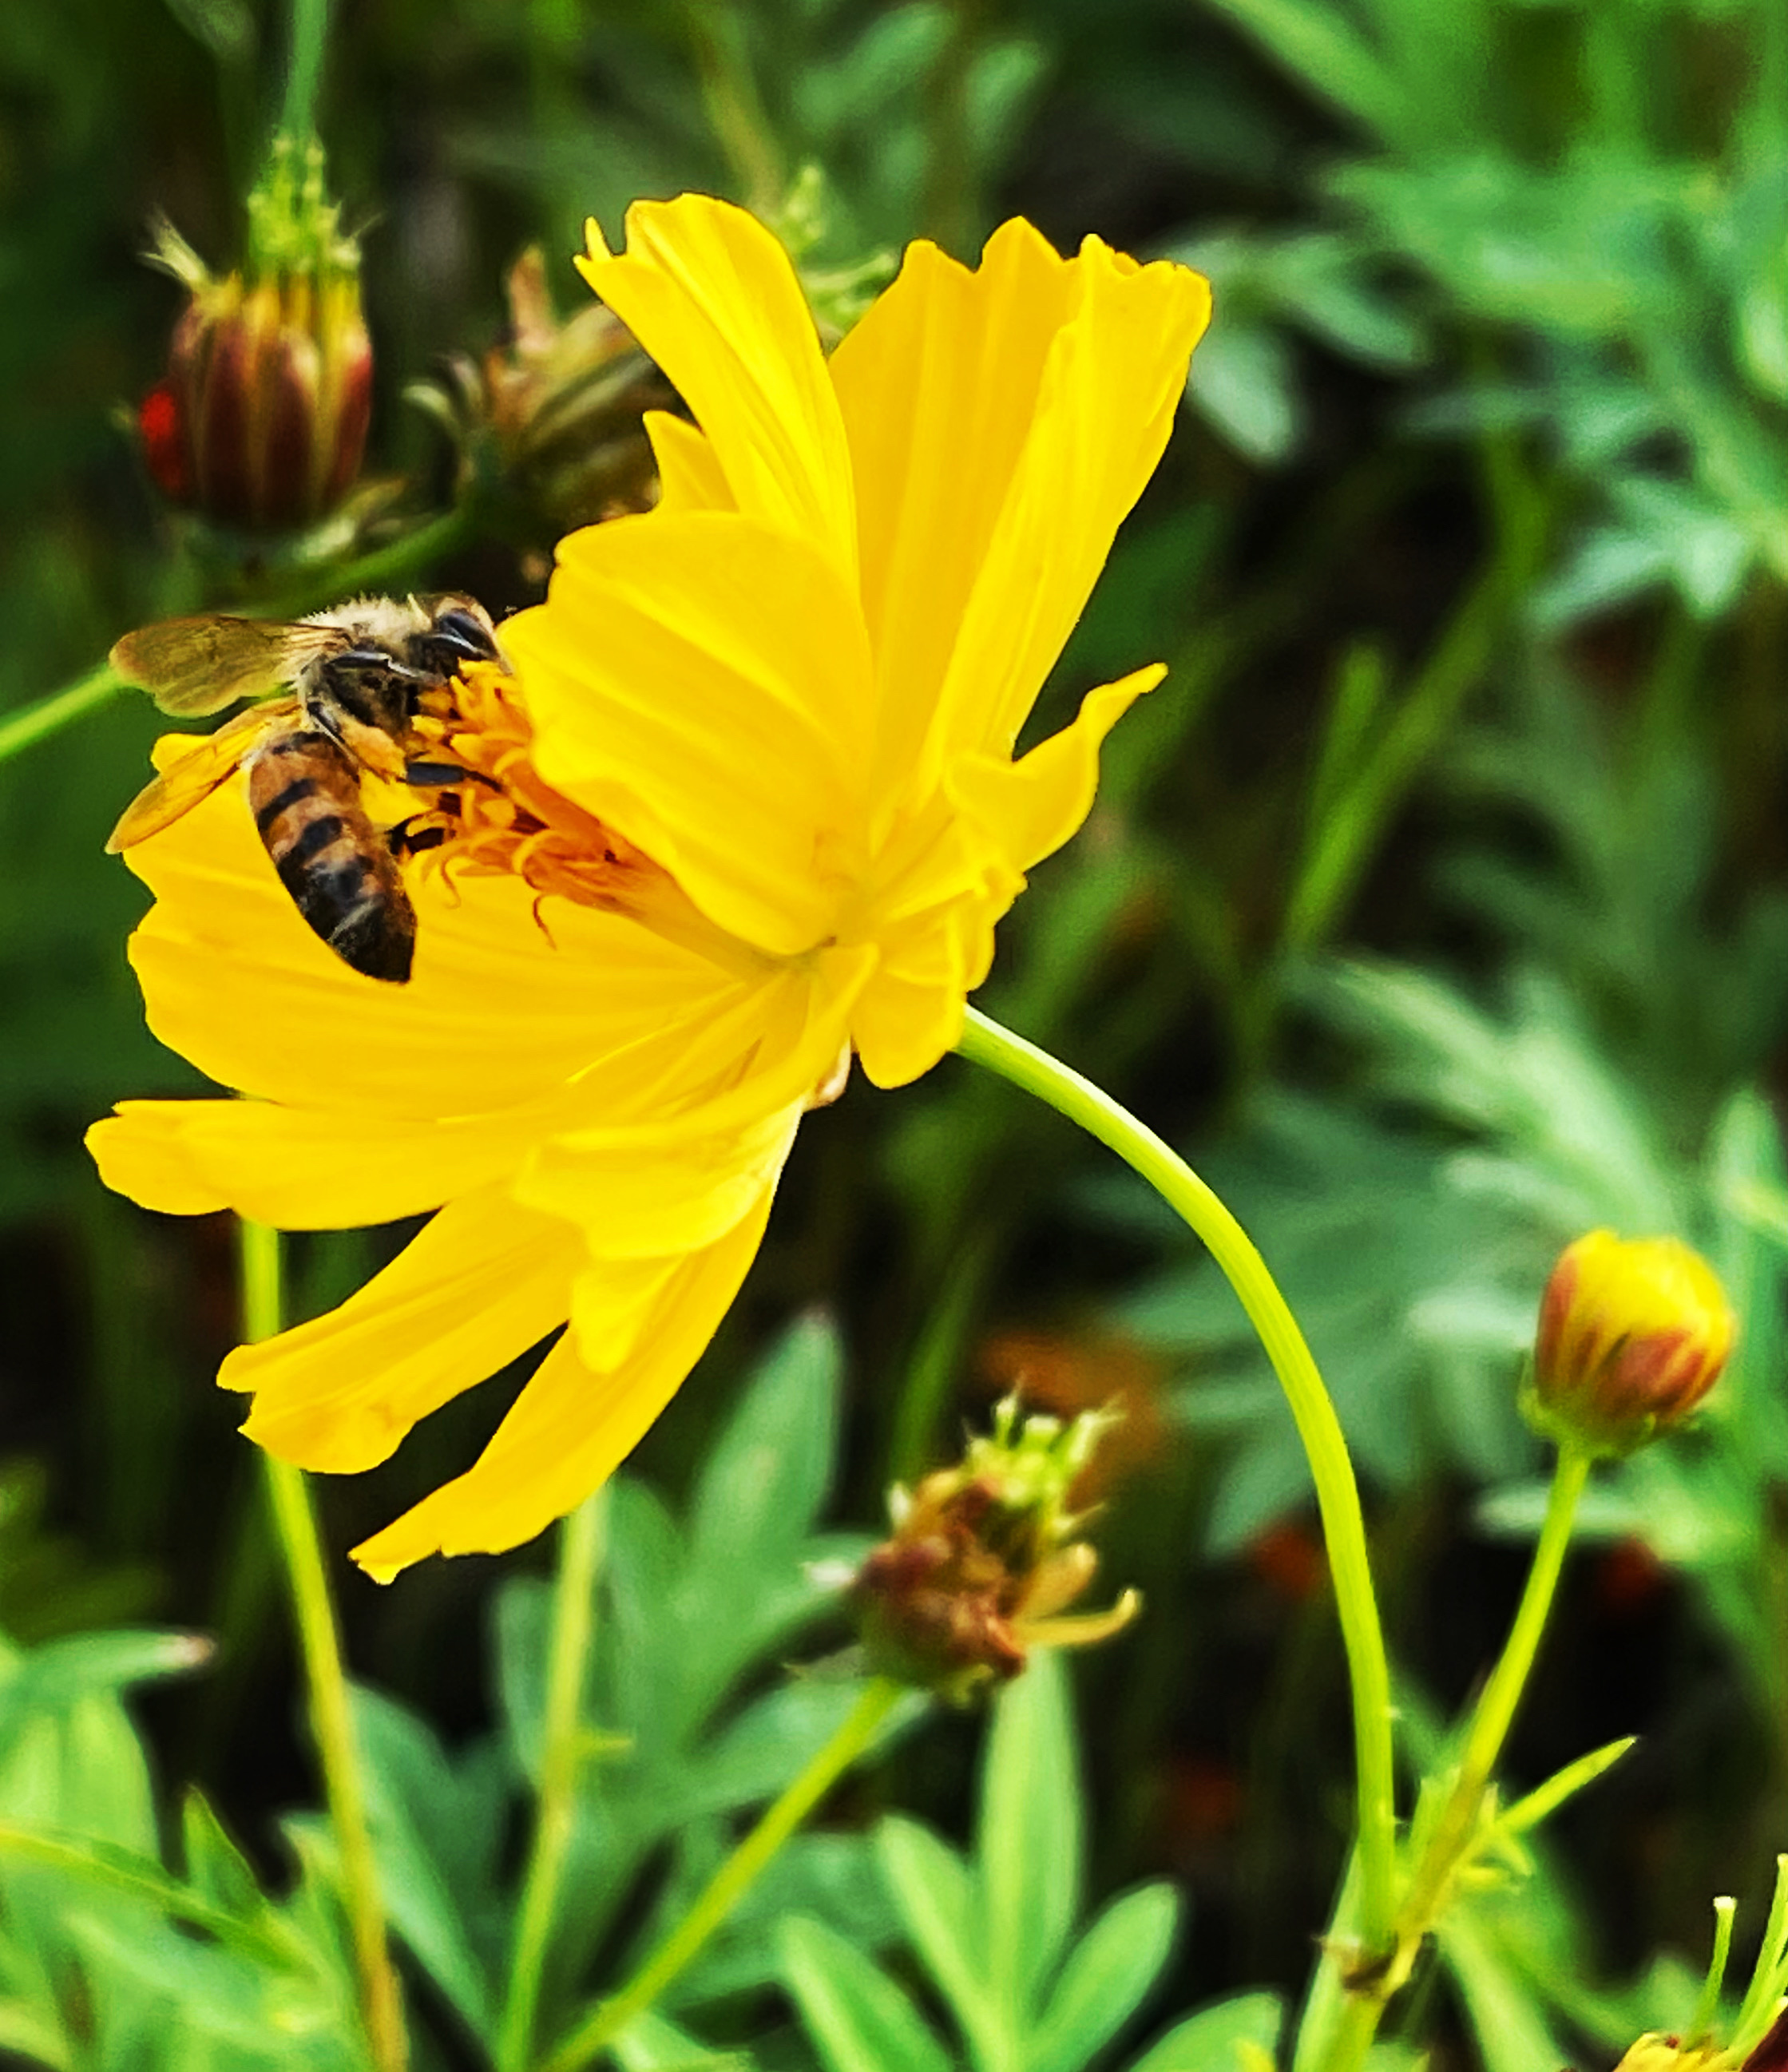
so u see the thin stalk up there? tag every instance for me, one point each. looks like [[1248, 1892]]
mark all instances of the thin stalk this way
[[1456, 1824], [326, 1686], [49, 715], [1757, 2010], [298, 107], [735, 109], [950, 202], [1496, 1707], [1337, 1494], [936, 1358], [397, 562], [562, 1750], [1700, 2028], [730, 1883]]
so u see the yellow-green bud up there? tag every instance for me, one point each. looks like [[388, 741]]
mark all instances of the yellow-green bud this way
[[554, 414], [984, 1560], [1633, 1334]]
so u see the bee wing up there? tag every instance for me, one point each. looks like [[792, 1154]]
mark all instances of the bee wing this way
[[195, 776], [193, 666]]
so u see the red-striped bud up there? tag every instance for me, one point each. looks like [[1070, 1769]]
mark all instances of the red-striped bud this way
[[1633, 1334], [261, 421]]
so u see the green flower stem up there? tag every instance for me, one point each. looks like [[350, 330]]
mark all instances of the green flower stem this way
[[562, 1749], [1456, 1825], [393, 564], [730, 1883], [49, 715], [298, 111], [1496, 1707], [719, 44], [326, 1686], [1337, 1494]]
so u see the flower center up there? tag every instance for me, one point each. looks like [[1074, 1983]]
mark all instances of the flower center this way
[[500, 818]]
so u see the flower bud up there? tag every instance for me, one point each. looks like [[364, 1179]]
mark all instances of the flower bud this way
[[983, 1561], [1633, 1332], [261, 421], [553, 414]]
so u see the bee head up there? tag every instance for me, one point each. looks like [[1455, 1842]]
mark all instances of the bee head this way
[[456, 634]]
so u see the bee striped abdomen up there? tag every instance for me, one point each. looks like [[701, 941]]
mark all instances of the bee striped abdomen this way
[[305, 793]]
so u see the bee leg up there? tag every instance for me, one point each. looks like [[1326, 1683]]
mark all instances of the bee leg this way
[[407, 839], [428, 776]]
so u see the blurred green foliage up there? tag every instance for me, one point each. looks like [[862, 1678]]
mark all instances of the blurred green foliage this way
[[1438, 905]]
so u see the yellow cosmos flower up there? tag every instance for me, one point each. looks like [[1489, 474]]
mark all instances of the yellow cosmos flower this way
[[758, 742]]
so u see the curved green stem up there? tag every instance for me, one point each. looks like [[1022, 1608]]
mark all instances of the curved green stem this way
[[730, 1882], [562, 1748], [326, 1686], [395, 562], [1337, 1494]]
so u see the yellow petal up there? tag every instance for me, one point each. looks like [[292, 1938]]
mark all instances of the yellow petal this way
[[680, 1177], [938, 385], [496, 1013], [711, 295], [689, 477], [1114, 373], [702, 684], [479, 1284], [297, 1169], [910, 1013], [1031, 806], [573, 1425]]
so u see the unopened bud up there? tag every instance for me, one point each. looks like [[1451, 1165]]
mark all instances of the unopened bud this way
[[261, 421], [553, 414], [984, 1560], [1633, 1332]]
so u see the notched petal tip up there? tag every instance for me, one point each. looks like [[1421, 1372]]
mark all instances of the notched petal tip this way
[[140, 1153]]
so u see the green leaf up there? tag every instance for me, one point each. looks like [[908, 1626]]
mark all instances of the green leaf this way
[[111, 1869], [1223, 2038], [53, 1677], [1105, 1980], [225, 27], [1541, 1803], [758, 1753], [755, 1505], [521, 1619], [435, 1845], [81, 1770], [1314, 42], [835, 1876], [23, 2032], [1243, 381], [651, 2044], [935, 1896], [859, 2017], [1510, 2028], [217, 1869], [1028, 1838]]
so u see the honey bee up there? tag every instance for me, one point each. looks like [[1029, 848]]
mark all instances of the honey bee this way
[[353, 675]]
